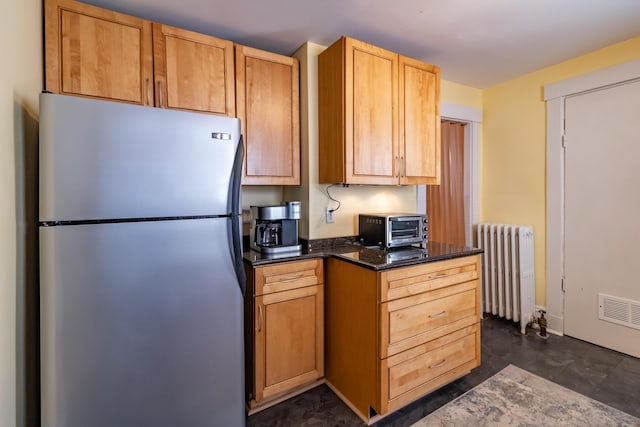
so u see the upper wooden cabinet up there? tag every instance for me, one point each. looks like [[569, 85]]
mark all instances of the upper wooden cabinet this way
[[193, 71], [419, 122], [267, 101], [99, 53], [379, 116]]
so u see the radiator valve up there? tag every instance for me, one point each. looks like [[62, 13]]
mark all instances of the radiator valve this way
[[542, 322]]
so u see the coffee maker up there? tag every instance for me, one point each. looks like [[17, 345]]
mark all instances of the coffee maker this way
[[274, 229]]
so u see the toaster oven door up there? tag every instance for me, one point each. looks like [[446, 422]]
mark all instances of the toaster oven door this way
[[405, 231]]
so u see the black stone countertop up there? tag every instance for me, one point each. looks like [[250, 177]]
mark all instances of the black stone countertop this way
[[372, 258]]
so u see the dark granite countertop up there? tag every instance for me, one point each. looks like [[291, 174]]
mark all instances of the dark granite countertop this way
[[372, 258]]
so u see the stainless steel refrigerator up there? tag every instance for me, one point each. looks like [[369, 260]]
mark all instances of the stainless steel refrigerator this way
[[141, 276]]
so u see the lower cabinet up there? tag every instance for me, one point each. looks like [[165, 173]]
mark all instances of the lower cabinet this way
[[284, 330], [393, 336]]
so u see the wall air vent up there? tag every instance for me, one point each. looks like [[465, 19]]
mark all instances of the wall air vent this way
[[618, 310]]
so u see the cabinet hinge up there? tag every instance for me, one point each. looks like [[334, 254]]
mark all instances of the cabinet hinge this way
[[562, 283], [564, 141]]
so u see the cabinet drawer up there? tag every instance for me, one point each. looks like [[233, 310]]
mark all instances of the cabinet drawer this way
[[414, 320], [288, 275], [404, 282], [415, 372]]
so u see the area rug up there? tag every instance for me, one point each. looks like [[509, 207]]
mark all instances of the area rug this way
[[515, 397]]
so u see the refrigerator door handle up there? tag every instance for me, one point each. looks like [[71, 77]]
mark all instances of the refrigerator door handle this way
[[235, 242], [235, 182], [236, 220]]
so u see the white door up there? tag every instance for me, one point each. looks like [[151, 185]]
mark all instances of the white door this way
[[602, 225]]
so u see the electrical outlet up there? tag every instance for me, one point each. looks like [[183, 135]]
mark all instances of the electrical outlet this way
[[329, 216]]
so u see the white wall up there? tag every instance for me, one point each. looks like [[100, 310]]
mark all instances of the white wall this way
[[20, 83]]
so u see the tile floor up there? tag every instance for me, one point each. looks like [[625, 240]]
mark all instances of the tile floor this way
[[605, 375]]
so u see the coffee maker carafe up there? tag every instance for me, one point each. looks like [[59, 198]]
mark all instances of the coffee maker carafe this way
[[274, 229]]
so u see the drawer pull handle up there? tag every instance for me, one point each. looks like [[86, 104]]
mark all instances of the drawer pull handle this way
[[288, 279], [435, 316], [437, 276], [437, 365], [260, 318]]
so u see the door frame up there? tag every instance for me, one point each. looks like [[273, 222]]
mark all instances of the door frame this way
[[554, 95], [472, 118]]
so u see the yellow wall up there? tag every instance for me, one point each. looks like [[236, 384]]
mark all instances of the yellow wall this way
[[455, 93], [20, 83], [512, 184]]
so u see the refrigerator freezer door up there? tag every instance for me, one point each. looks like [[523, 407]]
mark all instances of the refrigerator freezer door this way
[[109, 160], [140, 326]]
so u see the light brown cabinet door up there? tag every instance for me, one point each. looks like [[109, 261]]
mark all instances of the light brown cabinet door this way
[[379, 116], [267, 101], [419, 109], [94, 52], [193, 71], [357, 113], [372, 128], [289, 340]]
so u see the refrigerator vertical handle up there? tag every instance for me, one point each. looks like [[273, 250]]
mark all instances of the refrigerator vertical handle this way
[[236, 246], [235, 182], [236, 219]]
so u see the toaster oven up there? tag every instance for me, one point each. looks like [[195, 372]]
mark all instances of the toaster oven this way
[[392, 230]]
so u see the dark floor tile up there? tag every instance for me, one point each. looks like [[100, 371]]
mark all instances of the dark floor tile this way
[[630, 365], [588, 369], [317, 407], [621, 388], [422, 407]]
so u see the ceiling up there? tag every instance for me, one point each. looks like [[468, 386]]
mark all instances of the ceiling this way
[[476, 43]]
